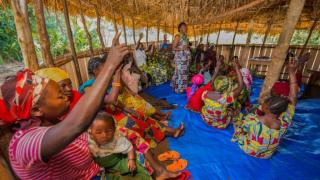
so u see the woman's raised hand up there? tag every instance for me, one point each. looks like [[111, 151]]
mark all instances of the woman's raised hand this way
[[117, 52]]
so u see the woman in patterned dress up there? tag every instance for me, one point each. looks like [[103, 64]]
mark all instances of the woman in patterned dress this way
[[259, 135], [181, 59]]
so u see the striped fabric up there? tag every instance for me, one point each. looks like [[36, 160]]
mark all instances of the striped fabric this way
[[74, 162]]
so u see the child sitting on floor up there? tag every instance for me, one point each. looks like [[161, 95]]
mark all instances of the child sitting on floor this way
[[111, 150], [215, 110]]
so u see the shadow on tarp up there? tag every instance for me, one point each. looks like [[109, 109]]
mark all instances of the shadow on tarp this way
[[211, 154]]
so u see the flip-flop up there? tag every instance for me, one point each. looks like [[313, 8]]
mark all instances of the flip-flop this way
[[185, 175], [177, 165], [169, 155]]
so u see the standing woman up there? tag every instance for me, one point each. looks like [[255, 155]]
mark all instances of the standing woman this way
[[181, 59]]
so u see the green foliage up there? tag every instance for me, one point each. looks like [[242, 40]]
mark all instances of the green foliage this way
[[9, 47]]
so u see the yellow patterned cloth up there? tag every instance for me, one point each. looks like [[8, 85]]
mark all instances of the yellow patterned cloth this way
[[53, 73], [258, 140], [136, 103], [215, 113]]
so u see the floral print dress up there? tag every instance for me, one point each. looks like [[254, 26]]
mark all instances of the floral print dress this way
[[181, 59], [258, 140], [215, 113]]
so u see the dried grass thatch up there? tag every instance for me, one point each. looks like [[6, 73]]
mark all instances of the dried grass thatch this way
[[204, 16]]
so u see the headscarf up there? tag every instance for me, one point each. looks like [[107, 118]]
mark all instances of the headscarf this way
[[53, 73], [247, 78], [222, 84], [19, 94]]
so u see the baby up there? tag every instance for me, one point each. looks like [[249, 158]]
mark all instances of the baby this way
[[111, 150]]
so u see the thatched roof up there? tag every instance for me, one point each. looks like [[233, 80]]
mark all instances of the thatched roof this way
[[202, 16]]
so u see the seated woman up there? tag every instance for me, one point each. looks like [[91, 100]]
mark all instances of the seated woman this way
[[113, 151], [216, 103], [62, 78], [45, 147], [147, 127], [195, 102], [259, 135]]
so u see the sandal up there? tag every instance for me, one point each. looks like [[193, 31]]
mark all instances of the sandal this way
[[169, 155], [177, 165]]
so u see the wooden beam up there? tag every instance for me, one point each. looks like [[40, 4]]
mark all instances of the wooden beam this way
[[24, 33], [89, 38], [266, 34], [314, 24], [71, 41], [218, 36], [124, 29], [280, 51], [99, 27], [43, 34], [64, 59]]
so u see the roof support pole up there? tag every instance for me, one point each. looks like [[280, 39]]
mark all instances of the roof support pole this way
[[218, 36], [71, 41], [314, 24], [43, 34], [21, 20], [99, 27], [233, 39], [266, 34], [133, 30], [124, 29], [280, 51], [89, 38]]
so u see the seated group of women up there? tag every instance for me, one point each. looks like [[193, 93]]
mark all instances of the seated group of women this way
[[61, 133], [225, 100]]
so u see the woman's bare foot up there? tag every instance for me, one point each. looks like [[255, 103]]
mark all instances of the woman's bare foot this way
[[168, 115], [179, 132], [165, 123], [165, 174]]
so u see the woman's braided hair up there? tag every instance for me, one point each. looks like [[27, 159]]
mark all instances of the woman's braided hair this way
[[277, 104]]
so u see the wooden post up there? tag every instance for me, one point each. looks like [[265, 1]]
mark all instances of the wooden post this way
[[89, 38], [133, 30], [24, 33], [208, 33], [194, 34], [173, 31], [269, 26], [43, 34], [99, 27], [158, 32], [314, 24], [218, 36], [124, 29], [280, 51], [147, 35], [234, 38], [71, 42], [250, 31], [114, 21]]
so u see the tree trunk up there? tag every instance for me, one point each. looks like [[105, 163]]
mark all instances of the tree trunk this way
[[280, 51], [99, 27], [71, 42], [21, 19], [89, 38], [309, 35], [43, 34]]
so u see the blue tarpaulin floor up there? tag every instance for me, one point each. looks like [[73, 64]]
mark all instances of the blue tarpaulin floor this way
[[211, 154]]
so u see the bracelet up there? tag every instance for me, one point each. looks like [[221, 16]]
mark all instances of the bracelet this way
[[131, 159], [116, 84]]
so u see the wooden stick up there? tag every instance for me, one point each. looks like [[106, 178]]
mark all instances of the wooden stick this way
[[43, 34], [24, 33], [218, 36], [269, 26], [133, 30], [314, 24], [71, 42], [124, 29], [280, 52], [233, 39], [89, 38], [250, 31], [158, 32], [99, 27]]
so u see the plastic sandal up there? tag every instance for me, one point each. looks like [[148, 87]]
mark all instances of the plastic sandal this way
[[169, 155], [177, 165]]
